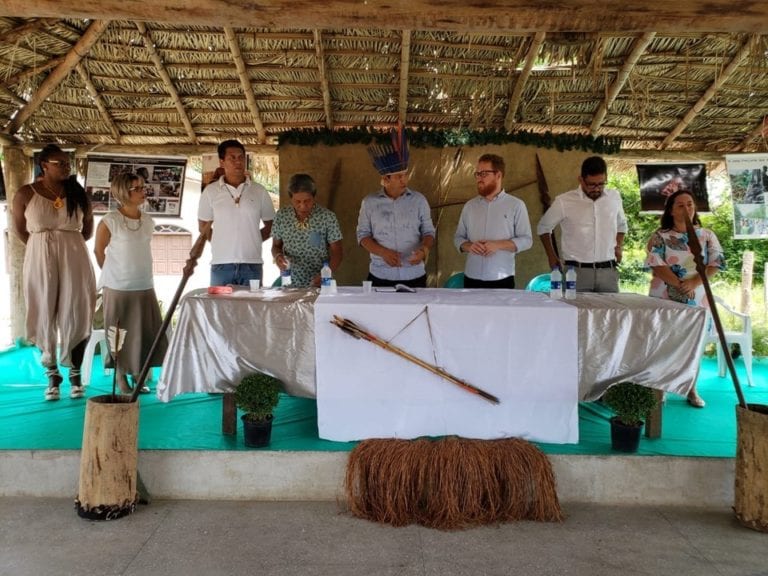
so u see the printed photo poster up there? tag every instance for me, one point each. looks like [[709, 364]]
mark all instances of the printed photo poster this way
[[163, 180], [659, 181], [748, 175]]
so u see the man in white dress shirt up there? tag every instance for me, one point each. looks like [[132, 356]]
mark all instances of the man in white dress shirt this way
[[236, 206], [592, 224], [493, 227]]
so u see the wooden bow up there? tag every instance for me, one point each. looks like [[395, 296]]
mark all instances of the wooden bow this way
[[357, 332]]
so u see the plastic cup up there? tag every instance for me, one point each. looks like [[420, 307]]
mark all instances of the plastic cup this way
[[255, 285], [367, 286]]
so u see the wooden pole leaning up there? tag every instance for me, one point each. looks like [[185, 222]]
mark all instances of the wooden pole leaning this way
[[751, 482], [189, 268]]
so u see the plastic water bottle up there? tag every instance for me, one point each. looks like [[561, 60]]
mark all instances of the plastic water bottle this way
[[285, 275], [325, 275], [556, 283], [570, 284]]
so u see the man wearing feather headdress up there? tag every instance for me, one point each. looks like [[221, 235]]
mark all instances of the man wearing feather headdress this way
[[395, 225]]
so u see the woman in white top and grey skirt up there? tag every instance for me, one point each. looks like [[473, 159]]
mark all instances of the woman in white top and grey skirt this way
[[123, 252]]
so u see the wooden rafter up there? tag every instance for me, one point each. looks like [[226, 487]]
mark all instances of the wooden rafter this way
[[14, 34], [320, 51], [746, 49], [167, 82], [49, 85], [405, 65], [34, 71], [98, 101], [245, 82], [638, 48], [522, 78]]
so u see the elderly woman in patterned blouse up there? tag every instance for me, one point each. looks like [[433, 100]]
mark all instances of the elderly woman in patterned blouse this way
[[305, 234]]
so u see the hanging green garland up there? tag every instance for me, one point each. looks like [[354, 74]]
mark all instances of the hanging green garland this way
[[425, 138]]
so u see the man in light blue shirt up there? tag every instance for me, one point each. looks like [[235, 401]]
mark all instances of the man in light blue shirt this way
[[492, 228], [394, 224]]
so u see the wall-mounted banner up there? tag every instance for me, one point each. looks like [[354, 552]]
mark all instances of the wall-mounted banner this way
[[659, 181], [748, 174], [163, 178]]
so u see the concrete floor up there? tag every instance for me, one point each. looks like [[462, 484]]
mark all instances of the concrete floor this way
[[42, 536]]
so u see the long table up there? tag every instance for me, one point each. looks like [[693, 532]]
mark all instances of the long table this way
[[220, 339]]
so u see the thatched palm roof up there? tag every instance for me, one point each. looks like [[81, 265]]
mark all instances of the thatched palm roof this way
[[131, 82]]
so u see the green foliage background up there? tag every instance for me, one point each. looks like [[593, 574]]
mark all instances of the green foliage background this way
[[720, 221], [635, 277]]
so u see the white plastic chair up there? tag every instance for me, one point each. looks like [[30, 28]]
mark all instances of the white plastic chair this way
[[98, 338], [741, 336]]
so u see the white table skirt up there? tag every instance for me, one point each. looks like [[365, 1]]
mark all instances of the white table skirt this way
[[516, 345]]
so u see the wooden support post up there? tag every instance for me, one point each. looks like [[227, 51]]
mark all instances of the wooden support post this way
[[228, 414], [653, 422]]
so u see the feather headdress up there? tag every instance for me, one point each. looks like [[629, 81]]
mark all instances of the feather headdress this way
[[391, 158]]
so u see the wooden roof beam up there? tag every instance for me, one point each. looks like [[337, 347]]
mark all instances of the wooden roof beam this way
[[522, 78], [98, 101], [320, 51], [49, 85], [245, 82], [405, 65], [746, 49], [167, 82], [661, 16], [34, 71], [638, 49], [14, 34]]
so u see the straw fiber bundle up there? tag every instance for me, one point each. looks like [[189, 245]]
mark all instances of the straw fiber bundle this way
[[450, 483]]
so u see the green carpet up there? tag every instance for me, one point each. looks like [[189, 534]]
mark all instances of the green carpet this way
[[193, 421]]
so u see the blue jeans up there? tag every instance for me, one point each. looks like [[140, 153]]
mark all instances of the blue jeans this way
[[235, 274]]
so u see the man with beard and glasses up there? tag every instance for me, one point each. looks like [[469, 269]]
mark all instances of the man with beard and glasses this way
[[493, 227], [592, 224]]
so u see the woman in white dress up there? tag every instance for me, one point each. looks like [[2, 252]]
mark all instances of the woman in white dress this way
[[123, 252], [53, 218]]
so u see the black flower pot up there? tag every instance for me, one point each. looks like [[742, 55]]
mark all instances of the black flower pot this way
[[625, 438], [257, 434]]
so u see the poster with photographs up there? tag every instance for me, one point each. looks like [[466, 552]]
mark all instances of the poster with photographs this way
[[748, 174], [659, 181], [163, 181]]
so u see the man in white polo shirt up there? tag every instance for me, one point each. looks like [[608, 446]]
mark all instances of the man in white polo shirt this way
[[593, 224], [237, 207]]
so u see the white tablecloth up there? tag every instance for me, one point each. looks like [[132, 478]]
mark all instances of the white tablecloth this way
[[516, 345]]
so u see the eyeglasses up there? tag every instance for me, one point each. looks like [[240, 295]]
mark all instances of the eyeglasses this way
[[594, 185], [484, 173], [137, 188], [62, 163]]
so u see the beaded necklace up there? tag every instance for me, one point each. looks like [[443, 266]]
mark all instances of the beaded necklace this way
[[235, 199], [126, 221]]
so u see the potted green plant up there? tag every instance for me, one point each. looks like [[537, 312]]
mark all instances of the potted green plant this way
[[631, 404], [257, 395]]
